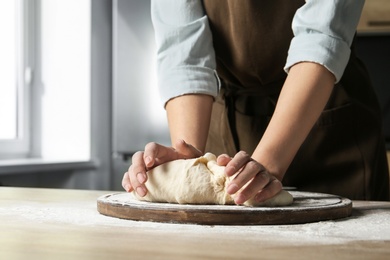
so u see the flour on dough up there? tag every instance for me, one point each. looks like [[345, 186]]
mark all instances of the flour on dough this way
[[197, 181]]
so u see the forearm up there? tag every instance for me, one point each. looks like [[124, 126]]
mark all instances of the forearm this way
[[189, 119], [302, 99]]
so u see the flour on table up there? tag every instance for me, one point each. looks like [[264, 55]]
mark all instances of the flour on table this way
[[197, 181]]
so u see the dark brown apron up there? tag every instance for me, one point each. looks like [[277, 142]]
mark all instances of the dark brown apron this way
[[344, 154]]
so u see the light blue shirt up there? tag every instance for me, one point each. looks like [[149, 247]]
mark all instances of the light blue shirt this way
[[323, 33]]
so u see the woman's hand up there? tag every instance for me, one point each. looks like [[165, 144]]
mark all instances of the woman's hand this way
[[251, 178], [154, 155]]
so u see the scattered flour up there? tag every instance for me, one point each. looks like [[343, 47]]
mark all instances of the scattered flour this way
[[372, 224]]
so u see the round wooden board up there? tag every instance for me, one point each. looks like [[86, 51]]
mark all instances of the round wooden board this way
[[307, 207]]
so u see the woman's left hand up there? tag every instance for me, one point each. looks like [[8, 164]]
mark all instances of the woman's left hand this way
[[251, 179]]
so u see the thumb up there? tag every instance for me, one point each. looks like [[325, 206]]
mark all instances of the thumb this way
[[186, 150]]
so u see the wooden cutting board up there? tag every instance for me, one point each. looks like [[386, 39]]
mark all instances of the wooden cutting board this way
[[307, 207]]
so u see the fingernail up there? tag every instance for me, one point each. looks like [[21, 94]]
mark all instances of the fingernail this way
[[148, 160], [141, 191], [127, 187], [141, 177], [232, 188]]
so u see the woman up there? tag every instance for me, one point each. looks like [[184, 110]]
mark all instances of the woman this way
[[316, 127]]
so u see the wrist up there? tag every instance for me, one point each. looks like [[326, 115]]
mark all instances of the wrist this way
[[189, 119], [274, 164]]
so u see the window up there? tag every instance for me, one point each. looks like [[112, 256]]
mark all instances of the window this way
[[8, 91], [63, 84], [15, 27], [45, 79]]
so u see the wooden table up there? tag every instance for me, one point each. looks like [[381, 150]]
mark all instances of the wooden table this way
[[64, 224]]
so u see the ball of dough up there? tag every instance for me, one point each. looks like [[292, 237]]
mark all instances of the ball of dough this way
[[197, 181]]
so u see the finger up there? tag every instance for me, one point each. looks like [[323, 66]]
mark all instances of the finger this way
[[126, 182], [238, 161], [137, 174], [252, 170], [155, 152], [151, 153], [223, 159], [259, 182], [137, 186], [138, 167], [273, 188]]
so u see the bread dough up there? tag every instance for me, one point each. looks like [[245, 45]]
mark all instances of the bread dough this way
[[197, 181]]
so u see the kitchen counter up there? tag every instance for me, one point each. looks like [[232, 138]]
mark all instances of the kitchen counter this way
[[64, 224]]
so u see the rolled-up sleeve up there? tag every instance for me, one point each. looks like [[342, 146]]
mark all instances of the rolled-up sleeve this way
[[185, 55], [323, 33]]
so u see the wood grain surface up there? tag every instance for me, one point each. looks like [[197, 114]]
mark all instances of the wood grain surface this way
[[65, 224]]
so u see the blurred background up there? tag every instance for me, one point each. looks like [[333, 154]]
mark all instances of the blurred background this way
[[79, 94]]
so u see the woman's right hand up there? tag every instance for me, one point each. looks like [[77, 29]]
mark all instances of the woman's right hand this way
[[154, 155]]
